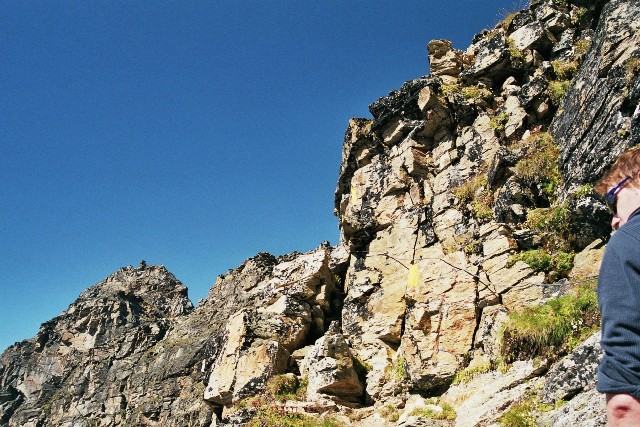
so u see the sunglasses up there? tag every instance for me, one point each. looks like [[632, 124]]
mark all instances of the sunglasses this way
[[612, 195]]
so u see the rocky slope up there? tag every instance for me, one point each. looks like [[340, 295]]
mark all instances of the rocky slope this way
[[463, 203]]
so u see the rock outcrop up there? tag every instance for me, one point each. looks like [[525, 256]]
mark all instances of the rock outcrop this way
[[132, 350], [118, 355], [600, 116], [265, 310], [465, 199]]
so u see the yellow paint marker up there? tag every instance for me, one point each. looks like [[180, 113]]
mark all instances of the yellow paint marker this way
[[414, 278]]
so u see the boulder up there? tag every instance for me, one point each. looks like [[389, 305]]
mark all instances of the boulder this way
[[530, 36], [481, 400], [331, 373], [586, 263], [517, 116], [512, 201], [491, 60], [586, 409]]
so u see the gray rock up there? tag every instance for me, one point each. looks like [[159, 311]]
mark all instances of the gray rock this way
[[585, 410], [491, 59], [598, 113], [533, 91], [574, 373], [530, 36]]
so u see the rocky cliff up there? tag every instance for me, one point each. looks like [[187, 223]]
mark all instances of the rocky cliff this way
[[465, 212]]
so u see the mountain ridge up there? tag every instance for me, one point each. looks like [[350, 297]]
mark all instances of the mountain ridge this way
[[443, 197]]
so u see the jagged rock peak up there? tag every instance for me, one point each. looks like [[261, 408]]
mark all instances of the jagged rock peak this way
[[108, 357], [155, 287]]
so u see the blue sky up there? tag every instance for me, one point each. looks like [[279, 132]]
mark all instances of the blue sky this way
[[190, 134]]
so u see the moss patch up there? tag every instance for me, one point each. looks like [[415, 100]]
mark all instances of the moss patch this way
[[282, 387], [396, 371], [499, 121], [557, 90], [564, 70], [523, 413], [390, 412], [544, 261]]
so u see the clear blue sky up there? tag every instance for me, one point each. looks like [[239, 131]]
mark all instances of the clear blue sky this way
[[190, 134]]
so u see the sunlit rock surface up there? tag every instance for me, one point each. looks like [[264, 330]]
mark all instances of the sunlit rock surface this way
[[432, 206]]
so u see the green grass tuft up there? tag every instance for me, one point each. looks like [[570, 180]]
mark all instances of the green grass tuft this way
[[272, 417], [564, 70], [541, 260], [447, 413], [540, 165], [499, 121], [553, 328], [390, 412], [557, 90], [477, 195], [466, 375]]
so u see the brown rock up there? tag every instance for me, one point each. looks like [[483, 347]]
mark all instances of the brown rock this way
[[443, 59]]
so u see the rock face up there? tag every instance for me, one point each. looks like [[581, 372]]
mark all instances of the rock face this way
[[116, 355], [265, 310], [427, 265], [451, 177], [132, 350], [600, 116]]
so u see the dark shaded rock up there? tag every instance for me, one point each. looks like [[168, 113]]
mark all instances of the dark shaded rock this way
[[526, 239], [499, 168], [590, 220], [10, 400], [588, 3], [401, 103], [360, 145], [520, 19], [511, 202], [564, 48], [460, 111], [596, 124], [533, 91]]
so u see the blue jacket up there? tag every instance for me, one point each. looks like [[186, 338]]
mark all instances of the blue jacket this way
[[619, 303]]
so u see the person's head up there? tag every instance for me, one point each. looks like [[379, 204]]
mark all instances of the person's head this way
[[620, 186]]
